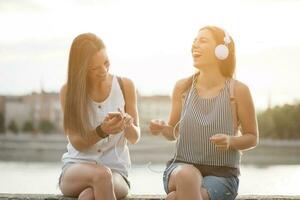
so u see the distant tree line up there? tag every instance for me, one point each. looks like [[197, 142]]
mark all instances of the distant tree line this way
[[2, 126], [280, 122], [43, 126]]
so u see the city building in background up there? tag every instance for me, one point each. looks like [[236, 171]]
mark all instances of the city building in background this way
[[41, 112], [36, 112]]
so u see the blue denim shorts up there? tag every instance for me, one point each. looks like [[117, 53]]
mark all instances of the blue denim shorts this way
[[218, 188]]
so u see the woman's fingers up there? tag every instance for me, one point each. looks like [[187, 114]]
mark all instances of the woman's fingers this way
[[128, 119], [114, 125], [113, 121], [156, 126], [221, 141], [219, 138], [222, 147], [118, 125]]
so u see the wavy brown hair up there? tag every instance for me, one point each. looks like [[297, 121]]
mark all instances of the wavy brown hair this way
[[76, 116], [227, 66]]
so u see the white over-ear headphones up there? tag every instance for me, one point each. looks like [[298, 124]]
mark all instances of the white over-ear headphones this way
[[222, 51]]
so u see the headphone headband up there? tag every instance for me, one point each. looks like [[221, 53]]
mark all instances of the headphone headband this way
[[226, 37]]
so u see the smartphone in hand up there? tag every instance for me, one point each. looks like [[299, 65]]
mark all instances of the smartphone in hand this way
[[115, 114]]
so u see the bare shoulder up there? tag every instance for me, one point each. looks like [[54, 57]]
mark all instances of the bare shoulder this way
[[181, 88], [128, 84], [182, 85], [243, 95], [241, 89], [129, 89]]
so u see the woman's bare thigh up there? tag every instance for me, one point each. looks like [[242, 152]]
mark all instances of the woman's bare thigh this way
[[78, 177]]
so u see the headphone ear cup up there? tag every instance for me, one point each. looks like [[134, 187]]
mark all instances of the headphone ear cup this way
[[221, 52]]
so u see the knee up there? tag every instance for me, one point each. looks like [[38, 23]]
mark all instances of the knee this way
[[121, 194], [87, 194], [171, 196], [102, 174], [204, 194], [188, 174]]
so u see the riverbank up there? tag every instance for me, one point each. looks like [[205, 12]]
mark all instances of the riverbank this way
[[49, 148]]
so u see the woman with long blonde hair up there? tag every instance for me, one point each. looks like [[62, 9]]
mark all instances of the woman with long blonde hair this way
[[100, 116], [207, 110]]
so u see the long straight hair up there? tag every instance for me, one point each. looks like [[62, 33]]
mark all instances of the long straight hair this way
[[227, 66], [76, 115]]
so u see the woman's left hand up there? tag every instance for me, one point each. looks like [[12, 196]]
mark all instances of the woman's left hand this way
[[221, 141], [128, 120]]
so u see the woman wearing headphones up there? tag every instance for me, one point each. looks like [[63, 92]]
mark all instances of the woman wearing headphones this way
[[100, 116], [208, 107]]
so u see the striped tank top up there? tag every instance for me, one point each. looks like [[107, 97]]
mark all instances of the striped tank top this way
[[205, 117]]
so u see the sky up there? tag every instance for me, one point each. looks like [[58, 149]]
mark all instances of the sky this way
[[150, 41]]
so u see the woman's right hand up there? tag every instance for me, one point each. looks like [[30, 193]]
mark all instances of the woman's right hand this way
[[113, 125], [156, 126]]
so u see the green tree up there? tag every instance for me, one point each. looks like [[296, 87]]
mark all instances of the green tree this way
[[280, 122], [13, 127], [28, 126], [266, 124], [46, 126], [2, 123]]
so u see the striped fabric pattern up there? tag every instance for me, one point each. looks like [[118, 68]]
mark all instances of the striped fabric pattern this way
[[204, 118]]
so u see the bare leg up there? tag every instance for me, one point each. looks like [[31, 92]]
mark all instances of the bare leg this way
[[81, 176], [171, 196], [87, 194], [120, 186], [185, 183]]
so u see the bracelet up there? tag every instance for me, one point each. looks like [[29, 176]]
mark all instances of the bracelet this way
[[100, 132]]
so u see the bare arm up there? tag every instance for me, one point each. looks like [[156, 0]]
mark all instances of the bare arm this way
[[246, 114], [167, 129], [132, 132], [247, 118]]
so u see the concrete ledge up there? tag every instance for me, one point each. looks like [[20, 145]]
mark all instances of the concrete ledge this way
[[136, 197]]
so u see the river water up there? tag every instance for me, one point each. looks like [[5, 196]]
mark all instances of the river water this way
[[34, 177]]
